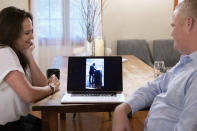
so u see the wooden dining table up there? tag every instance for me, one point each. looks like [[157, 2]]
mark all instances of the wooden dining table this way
[[135, 74]]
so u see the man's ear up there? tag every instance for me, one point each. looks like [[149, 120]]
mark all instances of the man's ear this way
[[190, 23]]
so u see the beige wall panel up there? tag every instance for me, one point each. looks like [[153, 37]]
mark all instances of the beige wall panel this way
[[136, 19], [22, 4]]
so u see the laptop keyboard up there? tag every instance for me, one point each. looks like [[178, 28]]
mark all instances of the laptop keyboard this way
[[94, 94]]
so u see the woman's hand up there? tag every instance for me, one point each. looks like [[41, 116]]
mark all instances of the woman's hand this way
[[28, 51], [120, 120], [53, 81]]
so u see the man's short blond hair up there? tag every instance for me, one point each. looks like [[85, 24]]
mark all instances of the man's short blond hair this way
[[188, 8]]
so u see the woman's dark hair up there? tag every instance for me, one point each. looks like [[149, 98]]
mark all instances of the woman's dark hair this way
[[11, 19]]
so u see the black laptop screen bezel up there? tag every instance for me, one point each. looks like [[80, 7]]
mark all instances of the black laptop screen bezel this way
[[75, 81]]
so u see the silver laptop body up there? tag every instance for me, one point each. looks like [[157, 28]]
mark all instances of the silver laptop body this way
[[94, 80]]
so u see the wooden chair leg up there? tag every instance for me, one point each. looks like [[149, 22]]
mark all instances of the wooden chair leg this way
[[74, 115], [110, 116], [62, 115]]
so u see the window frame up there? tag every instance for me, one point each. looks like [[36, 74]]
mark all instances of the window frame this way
[[175, 4]]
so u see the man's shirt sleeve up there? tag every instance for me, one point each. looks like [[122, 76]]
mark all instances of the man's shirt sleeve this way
[[188, 117], [144, 96]]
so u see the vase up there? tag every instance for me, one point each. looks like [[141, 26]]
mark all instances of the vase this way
[[90, 49], [99, 47]]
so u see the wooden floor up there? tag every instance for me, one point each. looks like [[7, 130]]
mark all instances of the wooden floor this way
[[96, 121]]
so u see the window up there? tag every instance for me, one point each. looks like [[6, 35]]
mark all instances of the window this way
[[61, 20], [50, 20], [76, 21], [177, 2]]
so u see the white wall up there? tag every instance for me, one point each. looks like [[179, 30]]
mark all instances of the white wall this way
[[22, 4], [136, 19]]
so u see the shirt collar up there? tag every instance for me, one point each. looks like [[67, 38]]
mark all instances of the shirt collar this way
[[186, 58], [193, 56]]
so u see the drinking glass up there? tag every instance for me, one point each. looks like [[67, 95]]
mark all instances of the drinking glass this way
[[159, 68]]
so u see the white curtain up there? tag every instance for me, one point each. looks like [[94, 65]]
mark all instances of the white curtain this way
[[57, 29], [52, 36]]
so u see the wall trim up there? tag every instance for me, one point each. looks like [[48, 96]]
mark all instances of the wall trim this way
[[29, 5]]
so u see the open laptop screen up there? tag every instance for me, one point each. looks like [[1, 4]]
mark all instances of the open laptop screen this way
[[94, 73]]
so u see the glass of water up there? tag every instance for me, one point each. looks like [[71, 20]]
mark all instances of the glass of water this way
[[159, 68]]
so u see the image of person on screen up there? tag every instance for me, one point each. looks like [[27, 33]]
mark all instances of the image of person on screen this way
[[98, 78], [92, 73]]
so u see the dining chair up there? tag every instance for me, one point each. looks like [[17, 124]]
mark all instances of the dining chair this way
[[163, 49], [137, 47]]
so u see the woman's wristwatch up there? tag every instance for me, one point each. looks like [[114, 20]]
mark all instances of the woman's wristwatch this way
[[52, 89]]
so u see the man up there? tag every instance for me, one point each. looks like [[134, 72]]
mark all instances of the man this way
[[92, 73], [172, 96]]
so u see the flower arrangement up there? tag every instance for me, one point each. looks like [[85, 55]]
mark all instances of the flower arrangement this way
[[91, 11]]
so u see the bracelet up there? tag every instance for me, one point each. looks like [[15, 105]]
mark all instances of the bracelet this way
[[52, 89]]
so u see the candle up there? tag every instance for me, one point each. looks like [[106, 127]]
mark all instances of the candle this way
[[99, 47]]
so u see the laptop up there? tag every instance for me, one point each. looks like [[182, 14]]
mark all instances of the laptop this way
[[94, 80]]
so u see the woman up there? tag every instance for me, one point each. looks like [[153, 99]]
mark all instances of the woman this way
[[21, 81]]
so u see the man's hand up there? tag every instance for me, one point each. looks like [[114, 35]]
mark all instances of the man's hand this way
[[120, 120]]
